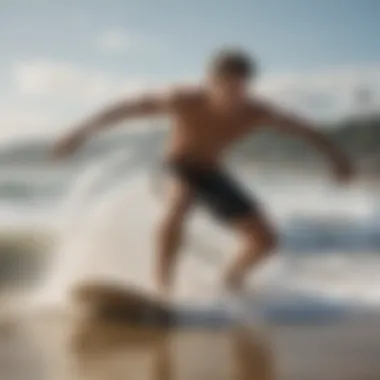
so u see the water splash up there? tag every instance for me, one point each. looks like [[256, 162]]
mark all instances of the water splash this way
[[109, 234]]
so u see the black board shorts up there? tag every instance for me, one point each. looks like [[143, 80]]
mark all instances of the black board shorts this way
[[215, 188]]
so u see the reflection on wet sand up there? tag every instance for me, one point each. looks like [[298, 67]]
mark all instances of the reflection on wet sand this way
[[110, 351], [53, 348], [141, 336]]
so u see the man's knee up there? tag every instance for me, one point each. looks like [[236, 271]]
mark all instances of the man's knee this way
[[262, 236]]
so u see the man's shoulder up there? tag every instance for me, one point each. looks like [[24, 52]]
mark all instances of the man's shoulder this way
[[186, 96]]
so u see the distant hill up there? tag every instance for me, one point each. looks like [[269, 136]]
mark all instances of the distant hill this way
[[33, 152], [360, 138]]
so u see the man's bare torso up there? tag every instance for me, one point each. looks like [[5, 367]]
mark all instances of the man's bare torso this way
[[202, 131]]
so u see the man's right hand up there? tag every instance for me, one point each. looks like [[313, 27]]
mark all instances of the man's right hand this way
[[69, 144]]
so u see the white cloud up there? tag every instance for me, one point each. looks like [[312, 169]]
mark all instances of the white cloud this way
[[118, 41], [115, 41], [324, 94], [69, 82], [18, 120], [63, 91], [47, 95]]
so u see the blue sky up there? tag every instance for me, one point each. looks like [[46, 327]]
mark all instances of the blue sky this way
[[60, 58]]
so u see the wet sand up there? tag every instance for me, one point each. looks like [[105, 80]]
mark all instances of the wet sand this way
[[58, 348]]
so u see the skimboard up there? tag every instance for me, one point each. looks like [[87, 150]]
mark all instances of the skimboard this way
[[108, 302], [114, 302]]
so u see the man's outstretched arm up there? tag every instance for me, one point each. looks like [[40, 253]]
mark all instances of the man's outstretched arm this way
[[146, 106], [294, 125]]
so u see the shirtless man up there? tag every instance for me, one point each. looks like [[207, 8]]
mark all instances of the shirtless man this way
[[206, 121]]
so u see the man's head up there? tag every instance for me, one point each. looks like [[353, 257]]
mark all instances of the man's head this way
[[230, 72]]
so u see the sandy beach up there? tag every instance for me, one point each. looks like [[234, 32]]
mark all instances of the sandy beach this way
[[53, 348]]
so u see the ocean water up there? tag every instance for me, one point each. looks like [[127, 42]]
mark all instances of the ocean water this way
[[96, 220]]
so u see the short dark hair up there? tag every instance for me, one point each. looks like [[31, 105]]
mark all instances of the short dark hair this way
[[233, 61]]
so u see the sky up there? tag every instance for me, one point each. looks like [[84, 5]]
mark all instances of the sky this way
[[61, 60]]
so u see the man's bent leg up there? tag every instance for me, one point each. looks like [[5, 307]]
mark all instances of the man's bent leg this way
[[170, 231], [259, 241]]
